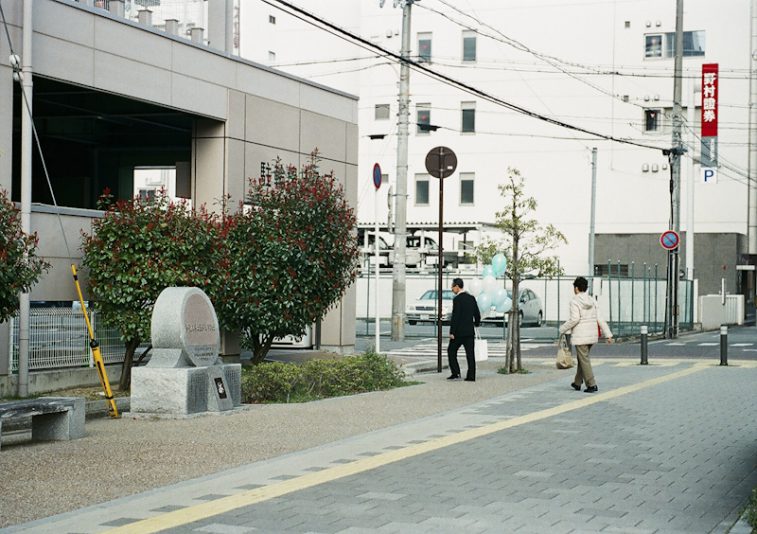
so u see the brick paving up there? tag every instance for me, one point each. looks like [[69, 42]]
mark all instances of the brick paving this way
[[675, 456]]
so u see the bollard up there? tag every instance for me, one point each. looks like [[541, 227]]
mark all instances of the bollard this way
[[723, 345], [644, 352]]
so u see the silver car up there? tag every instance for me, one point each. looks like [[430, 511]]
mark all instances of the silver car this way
[[423, 310], [530, 310]]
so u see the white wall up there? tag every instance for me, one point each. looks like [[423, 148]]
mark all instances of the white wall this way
[[590, 37]]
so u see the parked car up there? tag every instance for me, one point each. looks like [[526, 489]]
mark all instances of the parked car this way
[[423, 310], [366, 240], [530, 310]]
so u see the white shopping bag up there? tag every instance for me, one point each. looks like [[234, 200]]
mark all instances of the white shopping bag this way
[[481, 348]]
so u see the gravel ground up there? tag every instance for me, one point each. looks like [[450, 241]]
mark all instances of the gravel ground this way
[[126, 456]]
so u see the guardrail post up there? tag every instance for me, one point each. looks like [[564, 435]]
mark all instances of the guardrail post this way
[[723, 345], [644, 348]]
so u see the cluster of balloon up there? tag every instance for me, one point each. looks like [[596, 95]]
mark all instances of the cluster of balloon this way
[[488, 292]]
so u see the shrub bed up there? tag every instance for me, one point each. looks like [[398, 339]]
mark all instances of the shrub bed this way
[[319, 379]]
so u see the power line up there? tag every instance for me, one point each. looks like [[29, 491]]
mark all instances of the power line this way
[[418, 67]]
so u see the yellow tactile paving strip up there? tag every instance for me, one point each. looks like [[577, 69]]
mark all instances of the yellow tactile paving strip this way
[[219, 506]]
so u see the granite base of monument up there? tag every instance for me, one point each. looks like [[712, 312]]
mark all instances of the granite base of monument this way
[[185, 390]]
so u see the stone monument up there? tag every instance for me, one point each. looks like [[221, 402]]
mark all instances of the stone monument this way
[[185, 375]]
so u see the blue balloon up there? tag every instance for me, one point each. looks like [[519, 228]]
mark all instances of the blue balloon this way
[[488, 271], [499, 264], [500, 296], [484, 302], [505, 306]]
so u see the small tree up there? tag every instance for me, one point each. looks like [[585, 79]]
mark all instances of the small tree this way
[[290, 256], [136, 250], [20, 267], [525, 244]]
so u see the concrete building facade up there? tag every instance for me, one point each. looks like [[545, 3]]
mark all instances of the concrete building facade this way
[[604, 66], [112, 95]]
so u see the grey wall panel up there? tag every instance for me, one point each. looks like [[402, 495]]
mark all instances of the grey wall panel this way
[[208, 161], [57, 283], [257, 154], [329, 104], [64, 60], [324, 133], [235, 177], [132, 43], [202, 97], [351, 152], [197, 63], [237, 114], [131, 78], [65, 24], [272, 123], [268, 85]]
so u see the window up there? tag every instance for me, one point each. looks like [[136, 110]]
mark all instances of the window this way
[[421, 190], [468, 124], [693, 44], [423, 117], [271, 19], [424, 47], [653, 46], [271, 56], [384, 179], [382, 112], [469, 45], [466, 188], [651, 120]]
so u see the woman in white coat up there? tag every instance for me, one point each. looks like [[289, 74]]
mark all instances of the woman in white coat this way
[[582, 327]]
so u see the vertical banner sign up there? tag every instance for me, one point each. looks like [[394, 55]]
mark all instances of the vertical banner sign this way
[[710, 90]]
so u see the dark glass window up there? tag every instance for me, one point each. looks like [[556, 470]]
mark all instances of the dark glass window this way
[[424, 48], [469, 120], [469, 48], [421, 191]]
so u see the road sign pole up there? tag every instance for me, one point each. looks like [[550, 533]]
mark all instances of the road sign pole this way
[[441, 162], [440, 265], [377, 185]]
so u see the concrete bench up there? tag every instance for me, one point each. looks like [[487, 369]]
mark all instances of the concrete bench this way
[[53, 418]]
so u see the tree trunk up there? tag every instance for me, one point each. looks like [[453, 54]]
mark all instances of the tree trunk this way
[[131, 347], [509, 341], [260, 347], [516, 306]]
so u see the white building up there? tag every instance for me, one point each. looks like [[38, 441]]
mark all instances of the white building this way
[[604, 66]]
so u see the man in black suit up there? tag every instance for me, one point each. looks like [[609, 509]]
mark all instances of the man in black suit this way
[[465, 316]]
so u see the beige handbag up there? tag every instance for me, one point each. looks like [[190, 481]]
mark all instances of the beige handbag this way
[[564, 355]]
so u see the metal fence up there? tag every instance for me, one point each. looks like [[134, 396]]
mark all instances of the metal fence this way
[[58, 339], [627, 299]]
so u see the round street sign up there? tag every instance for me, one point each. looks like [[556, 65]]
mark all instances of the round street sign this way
[[376, 175], [669, 240], [441, 162]]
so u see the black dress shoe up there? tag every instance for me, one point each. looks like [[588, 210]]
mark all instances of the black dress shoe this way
[[574, 386], [453, 377], [592, 389], [470, 379]]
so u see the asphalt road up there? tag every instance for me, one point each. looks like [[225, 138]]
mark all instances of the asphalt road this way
[[742, 343]]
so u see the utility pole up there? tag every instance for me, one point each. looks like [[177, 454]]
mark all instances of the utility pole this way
[[675, 176], [26, 191], [400, 230], [593, 215], [752, 173]]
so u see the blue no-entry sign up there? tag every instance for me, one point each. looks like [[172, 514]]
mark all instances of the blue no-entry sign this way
[[376, 175], [669, 240]]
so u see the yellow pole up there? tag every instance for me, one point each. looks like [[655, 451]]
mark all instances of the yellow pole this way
[[95, 346]]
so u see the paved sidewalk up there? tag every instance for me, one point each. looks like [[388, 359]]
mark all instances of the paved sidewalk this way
[[667, 448]]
